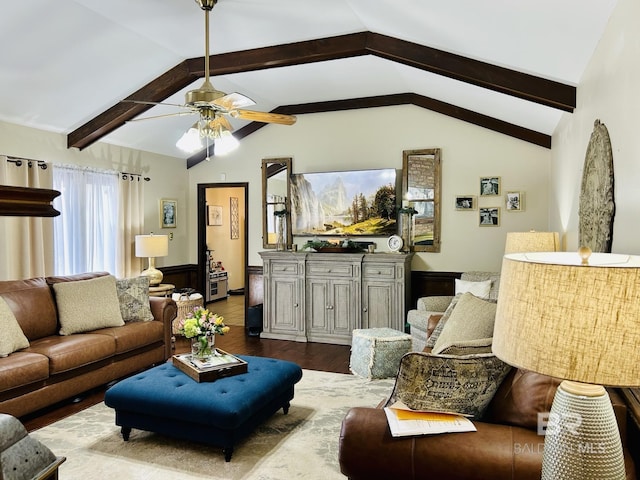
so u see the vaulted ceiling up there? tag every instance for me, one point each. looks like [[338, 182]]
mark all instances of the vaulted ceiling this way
[[512, 67]]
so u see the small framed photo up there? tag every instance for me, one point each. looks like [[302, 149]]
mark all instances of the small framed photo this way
[[489, 216], [514, 201], [465, 202], [214, 215], [489, 186], [168, 213]]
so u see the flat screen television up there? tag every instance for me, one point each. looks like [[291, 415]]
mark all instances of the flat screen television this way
[[348, 203]]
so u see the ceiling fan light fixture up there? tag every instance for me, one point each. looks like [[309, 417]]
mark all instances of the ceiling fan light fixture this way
[[225, 143], [190, 140]]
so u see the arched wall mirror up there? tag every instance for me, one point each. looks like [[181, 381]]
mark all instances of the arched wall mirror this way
[[276, 195]]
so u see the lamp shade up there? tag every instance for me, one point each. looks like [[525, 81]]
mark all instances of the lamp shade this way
[[522, 242], [578, 322], [152, 246]]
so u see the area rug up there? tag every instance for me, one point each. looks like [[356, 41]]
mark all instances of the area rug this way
[[300, 445]]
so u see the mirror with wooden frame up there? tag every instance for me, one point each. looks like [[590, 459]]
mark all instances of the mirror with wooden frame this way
[[276, 194], [421, 187]]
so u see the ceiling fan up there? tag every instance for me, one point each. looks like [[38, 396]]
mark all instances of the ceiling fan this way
[[213, 106]]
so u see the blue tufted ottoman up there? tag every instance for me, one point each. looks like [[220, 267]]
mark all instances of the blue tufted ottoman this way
[[166, 401]]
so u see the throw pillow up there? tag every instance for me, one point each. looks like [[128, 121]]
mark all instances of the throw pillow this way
[[479, 289], [133, 296], [466, 347], [431, 341], [86, 305], [12, 337], [471, 319], [448, 383]]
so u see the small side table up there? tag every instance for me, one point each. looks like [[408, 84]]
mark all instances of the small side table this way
[[162, 290]]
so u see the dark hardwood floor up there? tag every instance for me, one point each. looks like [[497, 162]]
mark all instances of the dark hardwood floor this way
[[311, 356]]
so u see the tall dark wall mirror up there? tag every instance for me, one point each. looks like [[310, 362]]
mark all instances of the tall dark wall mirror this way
[[421, 187], [276, 194]]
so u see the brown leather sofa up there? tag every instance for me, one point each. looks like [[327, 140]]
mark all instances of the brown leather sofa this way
[[56, 367], [505, 446]]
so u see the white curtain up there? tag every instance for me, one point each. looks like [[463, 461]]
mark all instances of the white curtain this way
[[26, 249], [131, 221], [101, 213]]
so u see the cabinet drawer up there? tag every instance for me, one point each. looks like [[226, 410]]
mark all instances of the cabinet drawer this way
[[332, 269], [378, 270], [284, 268]]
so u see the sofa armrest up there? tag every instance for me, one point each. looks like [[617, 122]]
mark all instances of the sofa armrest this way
[[367, 450], [438, 303], [164, 310]]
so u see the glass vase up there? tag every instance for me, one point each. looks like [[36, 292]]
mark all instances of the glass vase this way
[[203, 347]]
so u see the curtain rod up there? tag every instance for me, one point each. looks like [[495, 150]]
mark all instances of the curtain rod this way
[[43, 165]]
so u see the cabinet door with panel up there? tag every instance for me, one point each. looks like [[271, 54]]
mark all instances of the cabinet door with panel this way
[[331, 297], [283, 297]]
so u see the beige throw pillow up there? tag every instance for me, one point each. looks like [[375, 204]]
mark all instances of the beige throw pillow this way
[[12, 337], [471, 319], [86, 305], [133, 296]]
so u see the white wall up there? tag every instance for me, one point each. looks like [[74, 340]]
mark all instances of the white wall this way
[[375, 138], [608, 91], [168, 176]]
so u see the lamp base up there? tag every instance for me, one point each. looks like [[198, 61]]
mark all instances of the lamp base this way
[[582, 438], [155, 275]]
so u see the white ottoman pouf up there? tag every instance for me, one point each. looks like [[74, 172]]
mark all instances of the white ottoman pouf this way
[[376, 352]]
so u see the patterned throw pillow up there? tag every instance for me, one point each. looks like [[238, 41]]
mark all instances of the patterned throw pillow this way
[[448, 383], [133, 295], [12, 337], [86, 305], [431, 341]]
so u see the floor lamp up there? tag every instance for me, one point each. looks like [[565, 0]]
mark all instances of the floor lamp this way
[[575, 317], [152, 246]]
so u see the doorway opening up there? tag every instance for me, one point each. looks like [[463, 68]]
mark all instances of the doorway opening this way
[[223, 249]]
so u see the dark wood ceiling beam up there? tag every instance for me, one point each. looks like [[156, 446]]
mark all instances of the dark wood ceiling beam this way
[[472, 71], [503, 80], [443, 108], [155, 91]]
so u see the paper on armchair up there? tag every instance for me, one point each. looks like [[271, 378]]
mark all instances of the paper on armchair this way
[[405, 422]]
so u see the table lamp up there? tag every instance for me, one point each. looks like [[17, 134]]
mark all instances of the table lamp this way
[[575, 317], [152, 246], [532, 241]]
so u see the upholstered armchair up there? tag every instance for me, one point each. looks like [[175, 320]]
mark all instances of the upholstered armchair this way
[[425, 317], [22, 456]]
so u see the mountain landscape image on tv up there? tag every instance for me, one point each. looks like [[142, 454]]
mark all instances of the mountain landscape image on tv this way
[[349, 203]]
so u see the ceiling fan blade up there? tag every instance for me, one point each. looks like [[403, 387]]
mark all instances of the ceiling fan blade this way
[[264, 117], [231, 101], [154, 103], [177, 114]]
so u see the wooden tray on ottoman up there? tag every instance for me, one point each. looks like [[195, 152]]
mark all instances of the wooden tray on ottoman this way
[[220, 366]]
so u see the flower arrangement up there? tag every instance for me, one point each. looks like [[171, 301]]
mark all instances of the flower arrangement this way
[[200, 325]]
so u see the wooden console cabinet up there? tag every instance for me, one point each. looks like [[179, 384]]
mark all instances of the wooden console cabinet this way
[[323, 297]]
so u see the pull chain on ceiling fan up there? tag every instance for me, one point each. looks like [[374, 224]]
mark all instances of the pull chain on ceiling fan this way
[[212, 106]]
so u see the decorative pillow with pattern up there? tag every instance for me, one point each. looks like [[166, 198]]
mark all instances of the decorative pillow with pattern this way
[[86, 305], [133, 295], [449, 383], [12, 337], [431, 341]]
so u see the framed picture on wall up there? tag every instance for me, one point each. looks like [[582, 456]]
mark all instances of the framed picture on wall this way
[[489, 216], [214, 215], [514, 201], [168, 213], [489, 186], [465, 202]]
